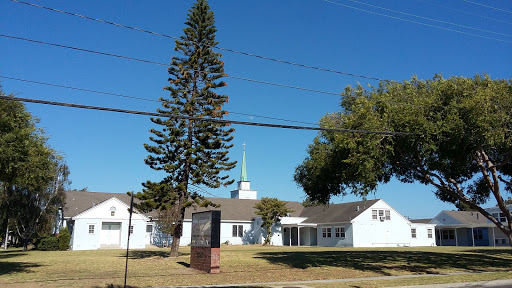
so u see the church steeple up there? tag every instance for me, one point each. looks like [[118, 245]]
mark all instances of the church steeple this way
[[244, 185], [243, 174]]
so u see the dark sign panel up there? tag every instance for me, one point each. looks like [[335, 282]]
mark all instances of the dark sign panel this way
[[206, 229]]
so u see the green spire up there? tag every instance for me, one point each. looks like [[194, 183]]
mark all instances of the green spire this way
[[243, 175]]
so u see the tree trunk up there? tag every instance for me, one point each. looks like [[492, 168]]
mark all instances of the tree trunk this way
[[175, 245], [6, 235], [178, 229]]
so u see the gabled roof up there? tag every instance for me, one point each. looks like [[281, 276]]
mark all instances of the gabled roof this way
[[467, 217], [232, 209], [336, 213]]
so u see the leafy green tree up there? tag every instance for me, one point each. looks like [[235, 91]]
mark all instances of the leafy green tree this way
[[64, 238], [308, 202], [461, 145], [190, 151], [271, 211], [32, 174]]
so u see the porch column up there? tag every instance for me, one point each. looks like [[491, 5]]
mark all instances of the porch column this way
[[290, 236], [298, 235], [493, 238], [473, 236], [456, 240]]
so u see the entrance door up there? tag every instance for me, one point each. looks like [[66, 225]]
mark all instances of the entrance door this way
[[110, 233], [295, 236]]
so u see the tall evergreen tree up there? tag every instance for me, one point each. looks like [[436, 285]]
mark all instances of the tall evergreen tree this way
[[190, 151]]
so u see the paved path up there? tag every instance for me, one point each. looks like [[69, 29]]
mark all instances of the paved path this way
[[303, 284]]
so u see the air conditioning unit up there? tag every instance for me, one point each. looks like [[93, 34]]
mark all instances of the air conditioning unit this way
[[382, 218]]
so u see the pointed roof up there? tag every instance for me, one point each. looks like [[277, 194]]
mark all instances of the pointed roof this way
[[243, 174], [343, 212]]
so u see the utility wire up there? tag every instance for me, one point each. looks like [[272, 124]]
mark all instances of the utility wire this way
[[182, 117], [225, 75], [466, 12], [144, 99], [431, 19], [214, 47], [487, 6], [415, 22]]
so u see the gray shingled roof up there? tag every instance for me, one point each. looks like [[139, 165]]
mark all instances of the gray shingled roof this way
[[467, 217], [336, 213], [421, 221], [232, 209]]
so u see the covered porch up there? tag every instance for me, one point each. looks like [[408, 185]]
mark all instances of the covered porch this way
[[466, 235], [296, 233]]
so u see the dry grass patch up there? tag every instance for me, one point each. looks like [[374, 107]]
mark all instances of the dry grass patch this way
[[240, 264]]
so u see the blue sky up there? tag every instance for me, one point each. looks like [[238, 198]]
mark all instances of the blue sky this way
[[105, 150]]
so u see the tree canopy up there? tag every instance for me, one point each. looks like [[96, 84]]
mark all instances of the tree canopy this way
[[461, 146], [271, 211], [188, 151], [32, 174]]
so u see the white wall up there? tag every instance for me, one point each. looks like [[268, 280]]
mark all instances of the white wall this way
[[334, 241], [375, 233], [422, 235], [82, 240]]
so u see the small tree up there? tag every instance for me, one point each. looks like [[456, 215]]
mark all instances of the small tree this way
[[271, 210], [64, 238]]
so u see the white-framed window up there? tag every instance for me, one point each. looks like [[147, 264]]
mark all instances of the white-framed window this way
[[149, 228], [413, 232], [238, 231], [387, 214], [429, 233], [326, 232], [131, 229], [381, 214], [339, 232], [478, 234], [500, 217], [91, 228], [112, 211], [501, 241]]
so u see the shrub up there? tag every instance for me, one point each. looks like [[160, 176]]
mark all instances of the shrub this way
[[64, 238], [49, 244]]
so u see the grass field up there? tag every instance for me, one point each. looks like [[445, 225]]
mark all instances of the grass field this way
[[251, 264]]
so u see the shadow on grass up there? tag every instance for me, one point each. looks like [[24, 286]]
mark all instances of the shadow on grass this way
[[142, 254], [382, 262], [11, 255], [16, 267]]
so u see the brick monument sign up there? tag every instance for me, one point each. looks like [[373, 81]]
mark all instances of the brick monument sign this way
[[205, 244]]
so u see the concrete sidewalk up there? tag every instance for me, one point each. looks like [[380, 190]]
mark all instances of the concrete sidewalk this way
[[303, 284]]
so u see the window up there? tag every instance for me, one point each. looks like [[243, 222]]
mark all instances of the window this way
[[326, 232], [112, 211], [149, 228], [413, 232], [238, 231], [339, 232], [429, 233], [478, 234], [131, 229], [448, 234], [381, 214], [501, 241], [91, 229]]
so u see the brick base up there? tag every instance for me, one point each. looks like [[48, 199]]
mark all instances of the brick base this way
[[205, 259]]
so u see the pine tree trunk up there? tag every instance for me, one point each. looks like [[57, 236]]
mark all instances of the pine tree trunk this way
[[6, 235]]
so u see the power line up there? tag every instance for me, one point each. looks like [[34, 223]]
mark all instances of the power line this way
[[143, 99], [487, 6], [465, 12], [181, 117], [415, 22], [214, 47], [225, 75], [431, 19]]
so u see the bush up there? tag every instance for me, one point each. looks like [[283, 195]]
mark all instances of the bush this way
[[49, 244], [64, 238]]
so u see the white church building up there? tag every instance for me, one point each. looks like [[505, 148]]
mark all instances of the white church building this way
[[100, 220]]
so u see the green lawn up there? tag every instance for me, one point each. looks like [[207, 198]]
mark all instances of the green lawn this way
[[250, 264]]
